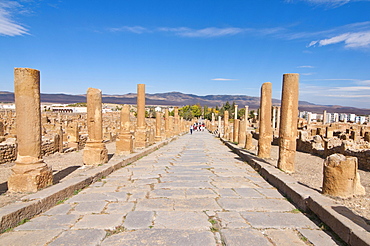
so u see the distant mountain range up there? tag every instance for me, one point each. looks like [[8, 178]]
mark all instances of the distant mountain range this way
[[181, 99]]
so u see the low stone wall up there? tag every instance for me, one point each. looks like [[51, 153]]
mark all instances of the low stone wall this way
[[317, 147], [8, 151]]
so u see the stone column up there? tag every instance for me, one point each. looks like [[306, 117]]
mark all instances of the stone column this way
[[140, 134], [324, 118], [246, 117], [265, 130], [236, 131], [288, 121], [236, 112], [274, 109], [95, 152], [29, 173], [242, 134], [219, 126], [158, 125], [309, 116], [278, 110], [124, 142], [341, 177], [176, 120], [226, 124], [170, 126], [167, 123]]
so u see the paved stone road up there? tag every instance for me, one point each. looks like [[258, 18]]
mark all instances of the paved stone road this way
[[193, 191]]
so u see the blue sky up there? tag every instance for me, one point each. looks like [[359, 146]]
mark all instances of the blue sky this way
[[201, 47]]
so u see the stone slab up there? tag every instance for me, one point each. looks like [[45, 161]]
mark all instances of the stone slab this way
[[159, 204], [286, 238], [158, 237], [99, 221], [49, 223], [89, 237], [29, 238], [196, 204], [317, 237], [139, 220], [244, 204], [244, 237], [89, 207], [179, 220], [119, 208], [278, 220]]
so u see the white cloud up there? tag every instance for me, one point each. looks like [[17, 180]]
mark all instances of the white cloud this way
[[305, 67], [8, 26], [222, 79], [134, 29], [351, 40], [205, 32]]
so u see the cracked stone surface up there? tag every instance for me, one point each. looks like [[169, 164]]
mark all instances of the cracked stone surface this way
[[193, 191]]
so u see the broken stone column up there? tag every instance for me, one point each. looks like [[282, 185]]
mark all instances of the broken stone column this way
[[29, 173], [124, 141], [219, 126], [248, 141], [329, 132], [158, 125], [341, 178], [95, 152], [141, 140], [265, 130], [170, 126], [288, 122], [73, 135]]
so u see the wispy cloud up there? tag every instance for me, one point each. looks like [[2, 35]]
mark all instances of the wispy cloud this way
[[208, 32], [305, 67], [356, 89], [222, 79], [205, 32], [8, 26], [351, 40], [327, 3], [133, 29]]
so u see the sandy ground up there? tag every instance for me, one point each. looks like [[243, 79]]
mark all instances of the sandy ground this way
[[308, 172]]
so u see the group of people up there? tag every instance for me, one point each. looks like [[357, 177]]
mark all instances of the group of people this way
[[198, 126]]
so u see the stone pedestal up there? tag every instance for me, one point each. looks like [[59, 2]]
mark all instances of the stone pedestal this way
[[288, 122], [95, 152], [341, 178], [141, 140], [265, 130], [124, 142], [29, 173], [248, 141]]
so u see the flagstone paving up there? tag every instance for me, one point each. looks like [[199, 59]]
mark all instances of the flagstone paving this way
[[194, 191]]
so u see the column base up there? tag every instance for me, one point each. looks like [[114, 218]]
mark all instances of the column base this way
[[141, 140], [124, 144], [30, 177], [95, 153]]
